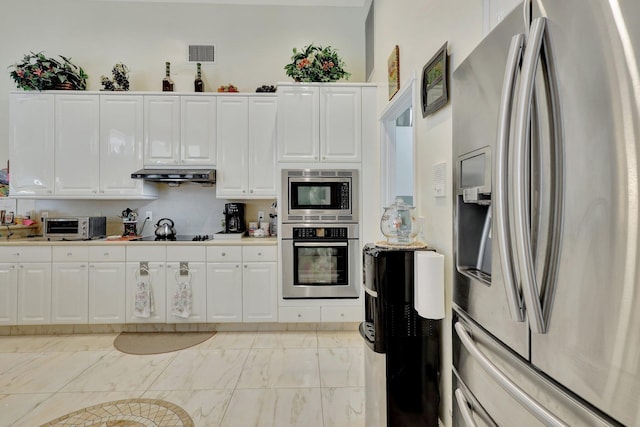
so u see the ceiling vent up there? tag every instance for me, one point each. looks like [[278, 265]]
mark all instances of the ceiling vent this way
[[202, 53]]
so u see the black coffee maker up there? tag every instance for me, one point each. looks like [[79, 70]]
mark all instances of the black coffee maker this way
[[234, 218]]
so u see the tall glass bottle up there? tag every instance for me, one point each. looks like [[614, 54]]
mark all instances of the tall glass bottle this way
[[198, 83], [167, 83]]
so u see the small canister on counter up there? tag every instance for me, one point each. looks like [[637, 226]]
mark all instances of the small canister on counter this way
[[253, 226]]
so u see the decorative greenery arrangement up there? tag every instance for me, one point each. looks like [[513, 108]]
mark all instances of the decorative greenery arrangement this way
[[316, 64], [120, 78], [37, 72]]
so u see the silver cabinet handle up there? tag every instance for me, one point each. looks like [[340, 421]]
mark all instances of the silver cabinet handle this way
[[465, 410], [503, 381], [538, 48], [503, 235]]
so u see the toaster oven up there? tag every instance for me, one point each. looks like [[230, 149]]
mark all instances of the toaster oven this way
[[75, 228]]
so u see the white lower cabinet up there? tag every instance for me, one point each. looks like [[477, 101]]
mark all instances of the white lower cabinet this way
[[241, 284], [107, 287], [259, 284], [146, 266], [28, 285], [69, 293], [224, 284], [186, 284], [8, 294], [34, 293]]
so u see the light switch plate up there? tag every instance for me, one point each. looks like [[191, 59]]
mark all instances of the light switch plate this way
[[439, 172]]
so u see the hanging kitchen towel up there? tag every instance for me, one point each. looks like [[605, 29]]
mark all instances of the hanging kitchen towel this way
[[143, 298], [182, 298], [428, 290]]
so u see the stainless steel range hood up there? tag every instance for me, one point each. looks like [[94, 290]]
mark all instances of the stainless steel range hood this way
[[177, 176]]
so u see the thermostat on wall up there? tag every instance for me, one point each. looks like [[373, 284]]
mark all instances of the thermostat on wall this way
[[439, 171]]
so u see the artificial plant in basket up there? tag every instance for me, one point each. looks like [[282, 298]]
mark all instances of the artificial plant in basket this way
[[38, 72], [316, 64]]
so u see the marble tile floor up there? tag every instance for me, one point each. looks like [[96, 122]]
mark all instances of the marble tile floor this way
[[234, 379]]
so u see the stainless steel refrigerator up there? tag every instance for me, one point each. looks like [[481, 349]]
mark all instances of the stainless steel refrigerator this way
[[546, 132]]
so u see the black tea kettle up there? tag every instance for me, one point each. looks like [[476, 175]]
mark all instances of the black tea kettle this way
[[164, 229]]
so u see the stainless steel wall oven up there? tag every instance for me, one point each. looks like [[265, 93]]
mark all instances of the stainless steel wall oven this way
[[320, 260]]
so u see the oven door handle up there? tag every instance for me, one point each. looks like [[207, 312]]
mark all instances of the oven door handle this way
[[319, 244]]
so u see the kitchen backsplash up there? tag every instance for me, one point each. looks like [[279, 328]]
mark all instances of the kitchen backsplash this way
[[193, 208]]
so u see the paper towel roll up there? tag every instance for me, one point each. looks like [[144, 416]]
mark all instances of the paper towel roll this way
[[428, 292]]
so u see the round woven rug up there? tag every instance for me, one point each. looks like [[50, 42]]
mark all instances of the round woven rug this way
[[127, 413], [158, 342]]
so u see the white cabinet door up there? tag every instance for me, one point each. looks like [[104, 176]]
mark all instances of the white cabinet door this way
[[298, 123], [340, 124], [31, 141], [161, 130], [121, 144], [259, 292], [194, 275], [34, 293], [69, 293], [224, 292], [198, 130], [262, 146], [233, 137], [107, 292], [156, 277], [8, 294], [77, 142]]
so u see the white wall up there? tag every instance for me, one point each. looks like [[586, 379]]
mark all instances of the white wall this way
[[253, 43], [420, 28]]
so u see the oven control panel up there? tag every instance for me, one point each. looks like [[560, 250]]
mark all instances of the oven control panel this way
[[320, 232]]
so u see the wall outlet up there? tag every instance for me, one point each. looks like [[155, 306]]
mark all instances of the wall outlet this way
[[260, 215], [149, 215]]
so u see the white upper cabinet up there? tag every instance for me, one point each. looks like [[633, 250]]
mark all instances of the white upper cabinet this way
[[121, 145], [319, 123], [179, 130], [262, 146], [77, 145], [198, 130], [246, 146], [161, 130], [298, 123], [31, 142], [340, 124]]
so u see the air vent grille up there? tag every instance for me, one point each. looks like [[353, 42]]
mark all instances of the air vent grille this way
[[202, 53]]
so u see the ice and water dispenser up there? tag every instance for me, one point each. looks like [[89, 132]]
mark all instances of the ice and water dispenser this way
[[473, 214]]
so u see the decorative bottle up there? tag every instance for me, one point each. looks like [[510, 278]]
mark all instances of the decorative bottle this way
[[198, 83], [167, 83]]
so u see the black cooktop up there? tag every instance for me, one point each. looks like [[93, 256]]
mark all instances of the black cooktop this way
[[177, 238]]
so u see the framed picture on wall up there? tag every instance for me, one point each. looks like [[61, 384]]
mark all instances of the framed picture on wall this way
[[434, 82], [393, 65]]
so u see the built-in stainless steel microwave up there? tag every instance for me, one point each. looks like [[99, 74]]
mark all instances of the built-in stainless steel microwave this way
[[75, 228], [318, 195]]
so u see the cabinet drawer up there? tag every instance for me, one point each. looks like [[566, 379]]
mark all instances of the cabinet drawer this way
[[224, 254], [298, 314], [24, 254], [186, 253], [341, 314], [259, 253], [106, 253], [146, 253], [70, 253]]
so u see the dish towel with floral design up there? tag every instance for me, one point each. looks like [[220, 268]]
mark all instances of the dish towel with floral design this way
[[144, 306], [182, 298]]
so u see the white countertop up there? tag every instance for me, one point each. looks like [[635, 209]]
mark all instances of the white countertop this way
[[41, 241]]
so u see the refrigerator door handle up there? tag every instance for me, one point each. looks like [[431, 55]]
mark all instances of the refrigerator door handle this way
[[528, 402], [522, 235], [465, 408], [514, 298]]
